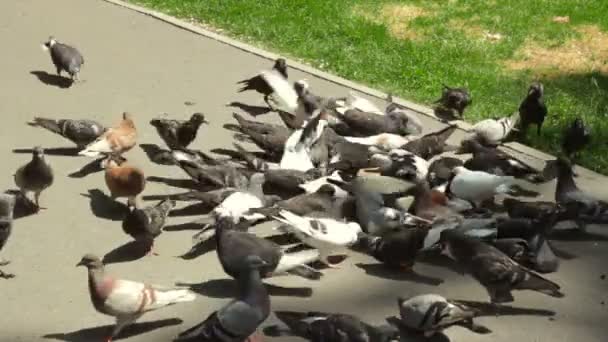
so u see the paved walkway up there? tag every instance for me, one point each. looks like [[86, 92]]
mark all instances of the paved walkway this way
[[139, 64]]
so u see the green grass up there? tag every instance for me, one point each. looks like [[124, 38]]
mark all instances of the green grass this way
[[331, 35]]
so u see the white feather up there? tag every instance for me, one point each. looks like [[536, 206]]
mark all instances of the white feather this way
[[237, 205], [290, 261], [314, 185], [356, 102], [295, 155], [386, 141], [283, 91], [477, 186], [494, 130], [97, 148]]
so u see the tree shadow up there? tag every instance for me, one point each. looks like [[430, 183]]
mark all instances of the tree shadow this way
[[52, 79], [97, 333], [381, 271], [227, 288], [157, 155], [250, 109], [87, 169], [54, 151], [105, 207], [130, 251]]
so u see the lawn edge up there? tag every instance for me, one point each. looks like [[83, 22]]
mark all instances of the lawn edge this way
[[418, 108]]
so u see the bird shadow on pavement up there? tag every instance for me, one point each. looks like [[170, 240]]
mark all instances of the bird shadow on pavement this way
[[87, 169], [200, 248], [381, 271], [177, 183], [433, 259], [53, 151], [192, 210], [52, 80], [105, 207], [130, 251], [157, 155], [250, 109], [227, 288], [97, 333], [23, 206]]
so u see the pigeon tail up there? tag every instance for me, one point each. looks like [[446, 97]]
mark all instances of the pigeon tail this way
[[533, 281], [166, 297], [49, 124]]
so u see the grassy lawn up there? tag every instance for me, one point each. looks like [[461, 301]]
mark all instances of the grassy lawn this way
[[495, 48]]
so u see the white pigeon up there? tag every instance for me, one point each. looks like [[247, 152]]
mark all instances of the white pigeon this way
[[296, 153], [314, 185], [325, 234], [237, 205], [124, 299], [493, 131], [284, 93], [384, 141], [478, 186], [353, 101]]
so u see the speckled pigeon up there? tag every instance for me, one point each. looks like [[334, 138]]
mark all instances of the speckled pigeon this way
[[146, 224], [34, 176], [80, 132], [178, 134]]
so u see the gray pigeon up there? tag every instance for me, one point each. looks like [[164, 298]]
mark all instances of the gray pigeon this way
[[7, 204], [259, 83], [494, 270], [238, 320], [124, 299], [431, 314], [34, 176], [146, 224], [64, 57], [178, 134], [80, 132]]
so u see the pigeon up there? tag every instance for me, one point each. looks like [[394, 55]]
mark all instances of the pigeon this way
[[223, 175], [325, 234], [290, 180], [403, 164], [532, 109], [492, 132], [321, 200], [356, 102], [178, 134], [114, 141], [80, 132], [384, 141], [234, 246], [124, 180], [7, 205], [335, 327], [147, 223], [238, 320], [245, 126], [431, 144], [366, 124], [453, 101], [35, 176], [587, 208], [124, 299], [259, 84], [429, 204], [296, 155], [494, 270], [440, 170], [65, 58], [284, 96], [478, 186], [431, 314], [497, 162], [575, 138], [397, 249]]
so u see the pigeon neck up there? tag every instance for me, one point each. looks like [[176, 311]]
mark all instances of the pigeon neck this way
[[251, 288]]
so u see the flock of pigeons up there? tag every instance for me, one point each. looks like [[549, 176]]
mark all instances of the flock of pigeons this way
[[334, 177]]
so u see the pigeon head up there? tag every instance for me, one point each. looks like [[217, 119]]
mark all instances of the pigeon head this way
[[127, 120], [198, 118], [468, 146], [49, 43], [301, 87], [536, 89], [397, 122], [280, 65], [327, 189], [254, 262], [90, 261], [38, 152]]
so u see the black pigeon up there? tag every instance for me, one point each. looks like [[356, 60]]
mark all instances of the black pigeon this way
[[239, 319], [575, 138], [246, 126], [453, 101], [178, 134], [146, 224], [80, 132], [532, 109], [290, 180], [587, 208], [497, 162], [494, 270], [35, 176], [440, 170], [65, 58], [396, 249], [7, 205], [431, 144], [234, 246], [221, 175], [334, 327], [259, 84]]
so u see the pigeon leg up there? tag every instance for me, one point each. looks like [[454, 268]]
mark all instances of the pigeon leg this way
[[121, 323], [37, 200]]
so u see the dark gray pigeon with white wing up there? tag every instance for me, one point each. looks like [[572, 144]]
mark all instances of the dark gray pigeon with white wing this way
[[65, 58], [239, 319], [80, 132]]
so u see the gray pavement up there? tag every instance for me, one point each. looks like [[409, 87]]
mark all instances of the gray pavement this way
[[138, 64]]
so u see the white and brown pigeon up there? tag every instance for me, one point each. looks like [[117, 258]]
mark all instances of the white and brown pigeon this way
[[115, 140], [124, 299]]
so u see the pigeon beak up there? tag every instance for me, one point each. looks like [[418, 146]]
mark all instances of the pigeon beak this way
[[205, 121], [80, 263]]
